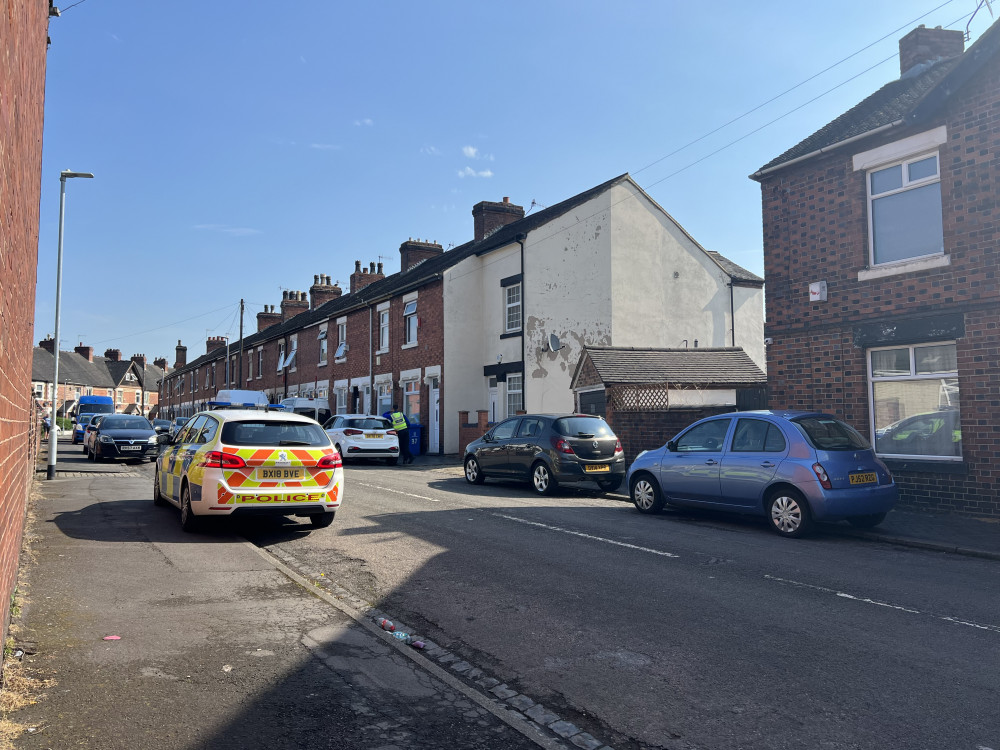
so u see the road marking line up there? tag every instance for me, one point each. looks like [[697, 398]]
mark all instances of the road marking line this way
[[398, 492], [586, 536], [844, 595]]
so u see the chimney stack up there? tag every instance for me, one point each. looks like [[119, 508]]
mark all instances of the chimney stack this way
[[87, 352], [923, 45], [267, 318], [214, 342], [115, 355], [488, 217], [140, 360], [322, 292], [413, 251], [48, 344], [161, 362], [182, 355], [362, 277], [293, 303]]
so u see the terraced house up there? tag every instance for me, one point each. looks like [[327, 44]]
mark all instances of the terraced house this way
[[881, 260], [495, 325]]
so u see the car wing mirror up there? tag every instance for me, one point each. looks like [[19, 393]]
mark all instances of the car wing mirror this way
[[672, 446]]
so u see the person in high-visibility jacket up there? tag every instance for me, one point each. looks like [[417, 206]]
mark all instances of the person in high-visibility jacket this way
[[402, 429]]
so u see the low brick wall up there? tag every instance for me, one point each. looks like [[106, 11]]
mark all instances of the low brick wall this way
[[469, 430]]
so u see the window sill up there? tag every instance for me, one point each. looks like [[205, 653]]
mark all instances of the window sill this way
[[340, 361], [409, 346], [511, 334], [909, 266], [925, 466], [321, 364], [381, 351]]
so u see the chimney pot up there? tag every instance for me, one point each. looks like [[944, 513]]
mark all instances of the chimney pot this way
[[316, 279], [357, 266]]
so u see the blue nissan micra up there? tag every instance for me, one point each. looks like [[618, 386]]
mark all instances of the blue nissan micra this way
[[793, 467]]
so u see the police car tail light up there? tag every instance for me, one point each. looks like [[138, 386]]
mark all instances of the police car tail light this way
[[330, 461], [220, 460], [352, 431]]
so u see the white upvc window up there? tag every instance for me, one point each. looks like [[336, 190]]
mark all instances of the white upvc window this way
[[281, 356], [322, 344], [294, 347], [515, 394], [411, 401], [512, 308], [341, 354], [260, 363], [904, 216], [383, 330], [915, 401], [410, 322], [250, 366]]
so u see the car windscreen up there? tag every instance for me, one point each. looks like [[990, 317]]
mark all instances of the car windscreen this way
[[370, 423], [125, 423], [582, 427], [274, 433], [829, 434], [96, 409]]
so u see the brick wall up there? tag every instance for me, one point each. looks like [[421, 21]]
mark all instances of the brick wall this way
[[23, 29], [816, 228], [469, 430]]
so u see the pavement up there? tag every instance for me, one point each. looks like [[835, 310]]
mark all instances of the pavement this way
[[218, 644]]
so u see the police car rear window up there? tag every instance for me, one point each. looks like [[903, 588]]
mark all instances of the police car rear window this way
[[275, 434]]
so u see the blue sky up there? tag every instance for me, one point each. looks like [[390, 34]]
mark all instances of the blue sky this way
[[241, 148]]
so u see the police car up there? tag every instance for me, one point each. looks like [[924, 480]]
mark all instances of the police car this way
[[249, 462]]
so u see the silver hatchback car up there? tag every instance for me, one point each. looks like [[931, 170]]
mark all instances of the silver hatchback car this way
[[793, 467]]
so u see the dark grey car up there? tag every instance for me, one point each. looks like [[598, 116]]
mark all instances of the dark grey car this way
[[548, 450]]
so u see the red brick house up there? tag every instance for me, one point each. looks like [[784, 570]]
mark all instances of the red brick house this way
[[881, 262]]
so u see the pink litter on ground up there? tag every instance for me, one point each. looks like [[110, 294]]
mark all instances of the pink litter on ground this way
[[112, 637]]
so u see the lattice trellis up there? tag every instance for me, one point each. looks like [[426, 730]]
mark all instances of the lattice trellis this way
[[640, 397]]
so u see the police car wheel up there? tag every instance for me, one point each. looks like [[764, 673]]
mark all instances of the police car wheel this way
[[321, 520], [189, 522], [158, 498]]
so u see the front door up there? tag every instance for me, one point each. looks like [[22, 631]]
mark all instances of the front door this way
[[494, 400], [434, 434]]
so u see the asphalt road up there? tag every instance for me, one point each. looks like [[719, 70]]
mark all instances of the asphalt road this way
[[684, 630]]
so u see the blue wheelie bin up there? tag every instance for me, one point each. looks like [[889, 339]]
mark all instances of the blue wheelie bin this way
[[416, 432]]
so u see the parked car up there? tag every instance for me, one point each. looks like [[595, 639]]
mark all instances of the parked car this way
[[87, 406], [175, 425], [363, 436], [122, 436], [548, 450], [934, 433], [161, 425], [794, 467], [250, 462], [317, 408], [89, 427]]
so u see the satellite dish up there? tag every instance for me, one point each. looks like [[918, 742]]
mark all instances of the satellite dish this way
[[554, 343]]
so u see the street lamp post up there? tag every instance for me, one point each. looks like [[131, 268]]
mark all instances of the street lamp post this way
[[53, 431]]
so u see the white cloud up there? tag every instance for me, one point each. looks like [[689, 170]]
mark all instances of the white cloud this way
[[430, 150], [232, 231], [470, 152], [470, 172], [367, 122], [324, 146]]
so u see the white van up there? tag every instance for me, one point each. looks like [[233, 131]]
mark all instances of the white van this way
[[317, 408]]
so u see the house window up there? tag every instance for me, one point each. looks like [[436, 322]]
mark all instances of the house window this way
[[322, 345], [294, 346], [512, 307], [342, 347], [250, 366], [384, 398], [410, 322], [515, 394], [138, 398], [383, 330], [411, 400], [260, 363], [341, 400], [915, 401], [281, 356], [905, 219]]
